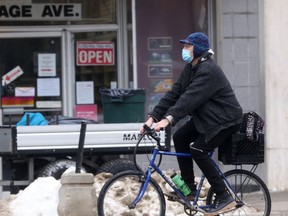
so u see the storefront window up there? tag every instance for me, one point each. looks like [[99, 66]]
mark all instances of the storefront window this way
[[31, 76], [94, 32], [158, 34]]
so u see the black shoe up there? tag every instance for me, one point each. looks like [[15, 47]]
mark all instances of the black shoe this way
[[221, 205]]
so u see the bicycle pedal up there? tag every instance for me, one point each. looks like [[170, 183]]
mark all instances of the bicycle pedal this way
[[172, 197], [239, 204]]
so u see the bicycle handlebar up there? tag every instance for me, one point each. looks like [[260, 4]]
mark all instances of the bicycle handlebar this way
[[151, 132]]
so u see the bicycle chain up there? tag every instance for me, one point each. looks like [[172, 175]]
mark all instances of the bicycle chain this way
[[187, 209]]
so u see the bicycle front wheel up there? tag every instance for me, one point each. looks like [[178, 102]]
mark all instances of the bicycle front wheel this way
[[251, 190], [121, 190]]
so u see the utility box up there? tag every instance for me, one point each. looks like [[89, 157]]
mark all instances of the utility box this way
[[123, 105]]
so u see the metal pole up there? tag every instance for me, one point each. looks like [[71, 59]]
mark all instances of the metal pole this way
[[81, 147], [1, 171], [134, 42]]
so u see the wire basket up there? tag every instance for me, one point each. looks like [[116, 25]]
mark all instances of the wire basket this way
[[239, 150]]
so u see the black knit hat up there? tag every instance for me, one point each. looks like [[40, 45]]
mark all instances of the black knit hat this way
[[200, 42]]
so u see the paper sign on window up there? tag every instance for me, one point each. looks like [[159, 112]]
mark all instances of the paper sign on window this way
[[47, 65]]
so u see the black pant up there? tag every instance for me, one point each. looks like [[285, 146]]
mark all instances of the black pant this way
[[188, 134]]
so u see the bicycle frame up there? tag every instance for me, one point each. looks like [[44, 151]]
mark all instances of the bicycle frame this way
[[192, 206], [148, 173]]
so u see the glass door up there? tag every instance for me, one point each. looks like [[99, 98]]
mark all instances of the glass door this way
[[95, 67], [31, 71]]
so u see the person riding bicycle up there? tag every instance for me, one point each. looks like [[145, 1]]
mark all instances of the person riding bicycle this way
[[203, 92]]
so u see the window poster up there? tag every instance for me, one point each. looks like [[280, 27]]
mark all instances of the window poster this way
[[158, 43], [47, 65], [85, 92], [160, 56], [17, 101], [160, 85], [48, 104], [24, 91], [159, 70], [48, 87], [86, 111]]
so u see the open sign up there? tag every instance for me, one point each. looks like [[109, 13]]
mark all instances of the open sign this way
[[95, 53]]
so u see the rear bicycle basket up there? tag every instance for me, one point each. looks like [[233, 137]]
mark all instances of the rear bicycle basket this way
[[239, 150]]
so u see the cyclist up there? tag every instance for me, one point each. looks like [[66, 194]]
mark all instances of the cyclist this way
[[204, 93]]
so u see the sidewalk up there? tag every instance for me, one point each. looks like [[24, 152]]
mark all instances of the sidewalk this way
[[279, 203]]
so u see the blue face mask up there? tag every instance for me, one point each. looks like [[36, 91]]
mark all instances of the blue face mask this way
[[186, 56]]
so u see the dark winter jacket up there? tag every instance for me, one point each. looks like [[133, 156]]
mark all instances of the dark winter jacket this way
[[203, 92]]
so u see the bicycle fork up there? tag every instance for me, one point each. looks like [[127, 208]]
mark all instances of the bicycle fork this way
[[145, 181], [144, 184]]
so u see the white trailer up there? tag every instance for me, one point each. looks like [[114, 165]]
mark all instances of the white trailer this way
[[31, 151]]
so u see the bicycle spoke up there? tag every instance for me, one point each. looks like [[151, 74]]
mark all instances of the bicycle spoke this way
[[252, 191], [121, 190]]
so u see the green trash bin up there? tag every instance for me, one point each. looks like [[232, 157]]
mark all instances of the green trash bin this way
[[123, 105]]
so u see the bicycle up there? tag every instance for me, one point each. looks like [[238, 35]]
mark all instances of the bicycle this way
[[128, 192]]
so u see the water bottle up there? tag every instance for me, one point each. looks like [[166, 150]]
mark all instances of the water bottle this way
[[180, 184]]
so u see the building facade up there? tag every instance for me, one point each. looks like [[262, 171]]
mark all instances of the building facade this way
[[56, 55]]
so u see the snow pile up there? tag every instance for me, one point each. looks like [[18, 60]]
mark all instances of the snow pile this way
[[40, 198]]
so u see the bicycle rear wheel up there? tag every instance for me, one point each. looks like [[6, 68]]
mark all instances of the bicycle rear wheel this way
[[120, 191], [251, 190]]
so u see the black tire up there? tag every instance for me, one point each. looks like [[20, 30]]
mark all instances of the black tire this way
[[106, 158], [116, 166], [143, 152], [251, 190], [120, 191], [56, 168]]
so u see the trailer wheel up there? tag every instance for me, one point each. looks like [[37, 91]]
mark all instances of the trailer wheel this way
[[57, 168], [116, 166]]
